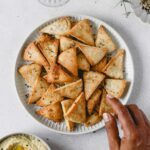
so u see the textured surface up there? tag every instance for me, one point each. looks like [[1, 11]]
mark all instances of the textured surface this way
[[20, 18]]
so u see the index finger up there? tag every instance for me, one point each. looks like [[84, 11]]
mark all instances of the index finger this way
[[124, 116]]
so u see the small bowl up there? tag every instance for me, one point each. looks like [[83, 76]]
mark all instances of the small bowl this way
[[25, 134], [139, 12]]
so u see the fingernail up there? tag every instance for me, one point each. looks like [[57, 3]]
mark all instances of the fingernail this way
[[109, 96], [106, 117]]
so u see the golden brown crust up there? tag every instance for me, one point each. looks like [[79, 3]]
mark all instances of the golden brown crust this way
[[68, 59], [93, 54], [83, 32], [52, 112], [77, 112]]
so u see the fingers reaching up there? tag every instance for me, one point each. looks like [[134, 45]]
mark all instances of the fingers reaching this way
[[112, 131], [124, 116]]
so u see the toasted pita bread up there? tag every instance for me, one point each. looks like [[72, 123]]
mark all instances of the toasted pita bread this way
[[58, 27], [71, 90], [77, 112], [32, 53], [50, 97], [104, 107], [91, 81], [83, 32], [66, 43], [104, 40], [93, 119], [30, 72], [66, 104], [49, 48], [93, 101], [83, 64], [115, 87], [115, 66], [93, 54], [100, 66], [52, 112], [68, 59], [38, 90], [58, 75]]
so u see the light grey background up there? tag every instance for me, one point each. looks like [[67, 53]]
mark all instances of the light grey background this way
[[20, 17]]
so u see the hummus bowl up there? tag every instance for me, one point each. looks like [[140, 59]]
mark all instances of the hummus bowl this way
[[22, 141]]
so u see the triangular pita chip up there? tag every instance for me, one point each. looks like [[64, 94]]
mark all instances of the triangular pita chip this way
[[83, 64], [38, 90], [83, 32], [30, 72], [93, 101], [32, 53], [93, 54], [91, 81], [115, 87], [104, 107], [58, 75], [66, 43], [68, 59], [58, 27], [104, 39], [77, 112], [66, 104], [100, 66], [50, 97], [71, 90], [52, 112], [93, 119], [115, 66], [49, 48]]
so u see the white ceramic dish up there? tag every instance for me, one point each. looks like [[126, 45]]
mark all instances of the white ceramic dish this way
[[35, 137], [22, 90], [139, 12]]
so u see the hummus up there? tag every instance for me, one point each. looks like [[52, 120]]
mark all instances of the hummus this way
[[22, 142]]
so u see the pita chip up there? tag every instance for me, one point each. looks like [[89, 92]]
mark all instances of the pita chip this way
[[83, 64], [93, 101], [58, 75], [115, 66], [58, 27], [104, 107], [71, 90], [66, 104], [32, 53], [38, 90], [52, 112], [83, 32], [49, 48], [66, 43], [100, 66], [104, 40], [30, 72], [68, 59], [91, 81], [77, 112], [115, 87], [93, 54], [50, 97], [93, 119]]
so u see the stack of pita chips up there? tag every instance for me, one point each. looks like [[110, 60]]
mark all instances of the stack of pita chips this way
[[70, 73]]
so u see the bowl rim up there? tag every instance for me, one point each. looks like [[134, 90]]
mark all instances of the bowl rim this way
[[26, 134], [15, 76]]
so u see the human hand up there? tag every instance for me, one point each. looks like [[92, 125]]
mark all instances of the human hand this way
[[134, 123]]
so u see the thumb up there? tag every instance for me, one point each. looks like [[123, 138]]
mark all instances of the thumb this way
[[112, 131]]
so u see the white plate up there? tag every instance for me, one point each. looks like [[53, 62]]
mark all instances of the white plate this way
[[139, 12], [22, 90], [25, 134]]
